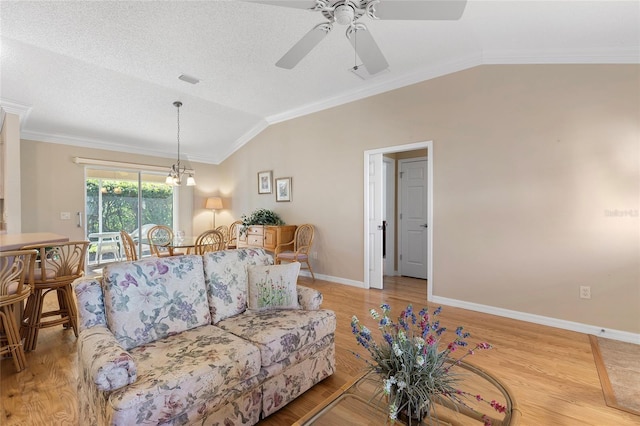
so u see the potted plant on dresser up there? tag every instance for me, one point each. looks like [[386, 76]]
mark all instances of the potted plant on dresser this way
[[264, 228]]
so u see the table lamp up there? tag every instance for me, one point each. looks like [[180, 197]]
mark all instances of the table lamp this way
[[213, 203]]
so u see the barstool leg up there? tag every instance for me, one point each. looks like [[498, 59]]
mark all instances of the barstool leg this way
[[31, 321], [12, 332], [70, 307]]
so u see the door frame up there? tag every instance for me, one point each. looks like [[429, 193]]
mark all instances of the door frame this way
[[430, 197]]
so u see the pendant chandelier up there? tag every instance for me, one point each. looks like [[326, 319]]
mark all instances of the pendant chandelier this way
[[177, 172]]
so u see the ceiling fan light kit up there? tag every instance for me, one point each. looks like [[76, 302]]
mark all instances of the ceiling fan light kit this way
[[348, 12], [343, 14]]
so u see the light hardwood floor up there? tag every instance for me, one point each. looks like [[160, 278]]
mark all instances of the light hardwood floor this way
[[551, 372]]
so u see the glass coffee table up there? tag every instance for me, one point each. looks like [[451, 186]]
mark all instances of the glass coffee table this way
[[357, 403]]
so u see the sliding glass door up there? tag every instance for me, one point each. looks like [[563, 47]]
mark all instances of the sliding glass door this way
[[124, 200]]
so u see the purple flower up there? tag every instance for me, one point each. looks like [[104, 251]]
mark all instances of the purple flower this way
[[162, 268], [388, 338], [128, 280]]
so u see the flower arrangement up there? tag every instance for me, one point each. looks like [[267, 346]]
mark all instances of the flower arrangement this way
[[415, 371]]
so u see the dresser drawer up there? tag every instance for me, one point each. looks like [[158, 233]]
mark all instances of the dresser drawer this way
[[255, 230], [255, 240]]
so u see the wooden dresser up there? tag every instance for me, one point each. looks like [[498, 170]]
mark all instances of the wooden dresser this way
[[266, 236]]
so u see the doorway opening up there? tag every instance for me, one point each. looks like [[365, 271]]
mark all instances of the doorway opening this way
[[376, 211]]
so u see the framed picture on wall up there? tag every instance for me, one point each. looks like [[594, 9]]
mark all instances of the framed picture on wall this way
[[264, 182], [283, 189]]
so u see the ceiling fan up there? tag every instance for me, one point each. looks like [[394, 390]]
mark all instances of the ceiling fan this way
[[348, 12]]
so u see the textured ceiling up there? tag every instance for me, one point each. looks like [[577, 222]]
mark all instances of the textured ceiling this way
[[104, 74]]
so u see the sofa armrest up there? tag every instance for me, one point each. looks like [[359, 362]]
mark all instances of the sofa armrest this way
[[90, 302], [104, 363], [309, 299]]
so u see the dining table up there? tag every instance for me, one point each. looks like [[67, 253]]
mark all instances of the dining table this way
[[177, 245], [17, 241]]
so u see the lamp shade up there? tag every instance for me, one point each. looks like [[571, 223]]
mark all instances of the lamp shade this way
[[213, 203]]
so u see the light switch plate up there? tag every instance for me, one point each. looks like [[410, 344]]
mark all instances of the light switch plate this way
[[65, 215]]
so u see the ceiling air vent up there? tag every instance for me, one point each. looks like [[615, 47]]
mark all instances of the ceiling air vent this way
[[188, 79]]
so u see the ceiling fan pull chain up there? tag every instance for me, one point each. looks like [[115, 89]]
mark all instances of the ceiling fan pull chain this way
[[355, 49]]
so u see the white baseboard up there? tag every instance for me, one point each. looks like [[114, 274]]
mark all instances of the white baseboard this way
[[338, 280], [609, 333], [623, 336]]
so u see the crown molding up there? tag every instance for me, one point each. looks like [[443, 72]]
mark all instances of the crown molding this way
[[92, 143], [575, 56], [423, 74], [242, 140], [10, 107], [496, 57]]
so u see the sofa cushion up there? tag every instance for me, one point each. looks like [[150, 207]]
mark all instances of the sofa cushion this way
[[149, 299], [273, 287], [279, 334], [226, 279], [193, 368]]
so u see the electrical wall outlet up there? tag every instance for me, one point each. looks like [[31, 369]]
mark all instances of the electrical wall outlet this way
[[314, 255], [65, 215], [585, 292]]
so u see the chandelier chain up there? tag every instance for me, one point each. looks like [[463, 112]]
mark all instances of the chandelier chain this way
[[178, 108]]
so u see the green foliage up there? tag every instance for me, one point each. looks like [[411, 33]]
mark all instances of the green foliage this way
[[260, 217], [120, 205]]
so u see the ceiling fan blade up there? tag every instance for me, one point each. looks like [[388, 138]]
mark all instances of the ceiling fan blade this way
[[367, 48], [296, 4], [419, 9], [304, 46]]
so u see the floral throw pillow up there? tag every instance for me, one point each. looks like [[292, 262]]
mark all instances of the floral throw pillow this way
[[273, 287]]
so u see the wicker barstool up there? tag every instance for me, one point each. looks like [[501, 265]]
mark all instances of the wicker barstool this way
[[16, 284], [58, 265]]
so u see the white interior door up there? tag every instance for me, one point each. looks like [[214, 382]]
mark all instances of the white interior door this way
[[374, 221], [413, 257]]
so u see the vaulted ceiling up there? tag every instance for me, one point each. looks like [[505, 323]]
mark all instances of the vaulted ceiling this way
[[105, 74]]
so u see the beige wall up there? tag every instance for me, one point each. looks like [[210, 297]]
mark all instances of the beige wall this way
[[528, 161], [530, 165], [53, 183]]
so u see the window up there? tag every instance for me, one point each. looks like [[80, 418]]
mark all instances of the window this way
[[124, 200]]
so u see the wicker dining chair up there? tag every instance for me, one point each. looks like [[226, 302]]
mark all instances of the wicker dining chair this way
[[209, 241], [224, 230], [16, 284], [232, 243], [128, 245], [297, 250], [160, 238], [58, 265]]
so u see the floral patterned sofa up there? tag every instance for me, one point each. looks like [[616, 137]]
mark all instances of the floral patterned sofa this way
[[171, 341]]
